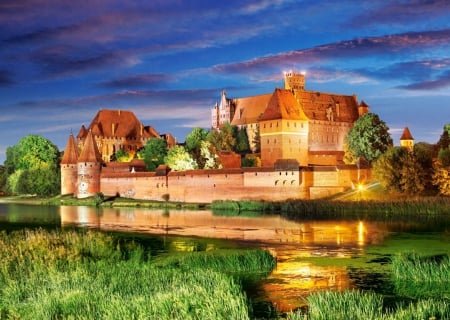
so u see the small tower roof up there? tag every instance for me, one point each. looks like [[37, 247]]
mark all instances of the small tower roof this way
[[406, 135], [70, 152], [90, 151]]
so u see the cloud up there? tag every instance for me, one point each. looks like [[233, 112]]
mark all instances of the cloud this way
[[152, 80], [441, 82]]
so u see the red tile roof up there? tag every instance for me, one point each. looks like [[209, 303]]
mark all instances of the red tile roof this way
[[406, 135], [90, 151], [249, 109], [283, 105], [70, 152]]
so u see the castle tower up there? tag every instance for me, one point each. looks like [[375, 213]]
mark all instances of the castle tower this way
[[294, 81], [406, 140], [69, 169], [89, 168]]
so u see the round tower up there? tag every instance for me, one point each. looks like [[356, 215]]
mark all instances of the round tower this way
[[89, 167], [69, 170]]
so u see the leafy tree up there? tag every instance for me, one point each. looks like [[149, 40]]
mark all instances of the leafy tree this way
[[121, 156], [251, 160], [444, 157], [400, 170], [154, 153], [256, 148], [441, 179], [444, 140], [369, 137], [193, 144], [208, 152], [242, 146], [32, 167], [224, 139], [178, 159]]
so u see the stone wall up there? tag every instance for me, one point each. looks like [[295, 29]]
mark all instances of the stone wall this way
[[205, 186]]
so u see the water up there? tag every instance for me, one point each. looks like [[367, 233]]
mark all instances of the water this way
[[311, 255]]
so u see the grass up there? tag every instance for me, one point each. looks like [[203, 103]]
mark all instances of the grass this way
[[90, 275]]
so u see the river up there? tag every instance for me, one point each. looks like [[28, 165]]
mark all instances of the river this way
[[311, 255]]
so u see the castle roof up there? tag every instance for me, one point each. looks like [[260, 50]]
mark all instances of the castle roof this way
[[118, 123], [90, 151], [315, 105], [406, 135], [70, 152], [283, 105], [249, 109]]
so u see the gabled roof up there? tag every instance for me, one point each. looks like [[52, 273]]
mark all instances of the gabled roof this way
[[70, 152], [118, 123], [90, 151], [406, 135], [283, 105], [315, 105], [249, 109]]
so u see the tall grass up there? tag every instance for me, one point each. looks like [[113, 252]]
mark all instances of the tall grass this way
[[90, 275], [419, 277]]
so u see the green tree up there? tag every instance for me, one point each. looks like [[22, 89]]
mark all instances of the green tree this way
[[121, 156], [444, 140], [193, 144], [178, 159], [154, 153], [224, 139], [400, 170], [242, 145], [208, 152], [369, 137], [32, 167], [444, 157]]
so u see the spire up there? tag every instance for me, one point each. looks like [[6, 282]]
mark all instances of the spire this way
[[406, 135], [70, 152], [90, 151]]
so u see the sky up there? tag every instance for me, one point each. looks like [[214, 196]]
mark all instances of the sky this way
[[61, 61]]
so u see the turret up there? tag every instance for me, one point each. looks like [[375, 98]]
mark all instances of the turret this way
[[89, 168], [407, 140], [294, 81], [69, 169]]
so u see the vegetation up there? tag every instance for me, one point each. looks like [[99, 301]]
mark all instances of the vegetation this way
[[154, 152], [178, 159], [369, 138], [32, 167], [122, 156], [91, 275]]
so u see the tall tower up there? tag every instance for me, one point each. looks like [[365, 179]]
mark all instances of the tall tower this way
[[69, 167], [294, 81], [89, 168], [407, 140]]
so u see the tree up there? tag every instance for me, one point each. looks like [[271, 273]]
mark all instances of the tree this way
[[400, 170], [224, 139], [32, 167], [444, 157], [208, 152], [242, 145], [369, 137], [178, 159], [441, 179], [154, 152], [121, 156], [444, 140], [193, 144]]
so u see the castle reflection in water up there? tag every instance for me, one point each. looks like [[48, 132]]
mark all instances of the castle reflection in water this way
[[295, 244]]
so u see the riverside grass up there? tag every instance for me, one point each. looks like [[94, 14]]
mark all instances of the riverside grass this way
[[89, 275]]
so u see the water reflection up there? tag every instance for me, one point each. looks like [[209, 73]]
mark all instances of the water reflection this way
[[291, 242]]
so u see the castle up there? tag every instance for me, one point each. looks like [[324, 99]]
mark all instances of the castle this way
[[293, 123], [301, 137]]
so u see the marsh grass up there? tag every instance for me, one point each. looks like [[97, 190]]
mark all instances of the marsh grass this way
[[421, 277], [91, 275]]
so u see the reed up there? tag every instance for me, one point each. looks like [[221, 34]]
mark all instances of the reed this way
[[421, 277], [91, 275]]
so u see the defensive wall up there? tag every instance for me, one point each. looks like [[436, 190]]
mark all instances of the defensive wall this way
[[205, 186]]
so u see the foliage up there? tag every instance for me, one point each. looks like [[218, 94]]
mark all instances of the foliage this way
[[224, 139], [444, 140], [178, 159], [209, 155], [242, 145], [251, 160], [369, 137], [256, 143], [444, 157], [441, 179], [194, 140], [154, 153], [349, 157], [121, 156], [31, 167], [400, 170]]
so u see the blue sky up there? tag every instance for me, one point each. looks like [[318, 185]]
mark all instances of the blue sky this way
[[62, 60]]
